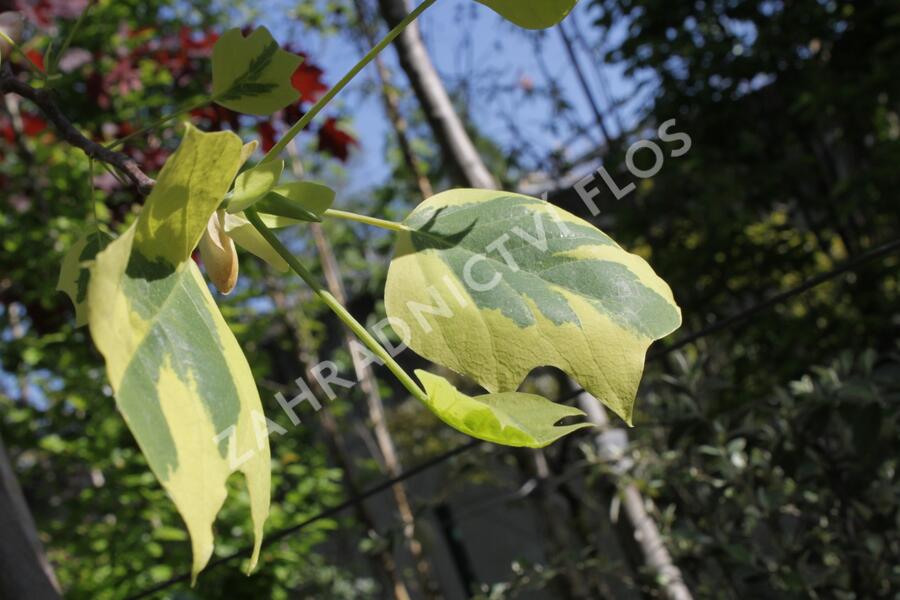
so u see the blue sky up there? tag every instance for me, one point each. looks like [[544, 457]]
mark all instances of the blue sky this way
[[471, 46]]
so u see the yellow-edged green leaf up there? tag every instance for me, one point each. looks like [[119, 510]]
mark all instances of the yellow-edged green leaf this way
[[493, 284], [508, 418], [251, 185], [253, 74], [532, 14], [170, 226], [75, 273], [180, 379]]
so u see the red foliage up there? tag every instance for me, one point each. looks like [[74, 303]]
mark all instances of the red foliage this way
[[215, 117], [197, 45], [185, 55], [266, 135], [32, 125], [307, 80], [7, 133], [37, 58], [335, 141], [96, 90]]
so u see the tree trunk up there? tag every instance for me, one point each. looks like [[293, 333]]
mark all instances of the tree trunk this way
[[646, 534], [24, 570], [445, 123]]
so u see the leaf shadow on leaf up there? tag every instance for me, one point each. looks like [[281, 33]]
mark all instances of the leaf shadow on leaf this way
[[140, 267], [440, 241]]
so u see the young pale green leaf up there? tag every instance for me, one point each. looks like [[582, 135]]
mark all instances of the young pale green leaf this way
[[180, 379], [251, 185], [247, 237], [75, 272], [494, 284], [276, 205], [532, 14], [172, 222], [508, 418], [253, 75], [295, 202]]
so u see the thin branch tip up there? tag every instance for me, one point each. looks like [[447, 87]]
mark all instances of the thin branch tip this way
[[45, 102]]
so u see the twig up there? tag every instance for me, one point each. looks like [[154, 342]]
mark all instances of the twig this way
[[47, 105]]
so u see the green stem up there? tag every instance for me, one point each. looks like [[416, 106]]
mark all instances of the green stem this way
[[336, 307], [29, 63], [52, 65], [324, 100], [162, 121], [375, 222]]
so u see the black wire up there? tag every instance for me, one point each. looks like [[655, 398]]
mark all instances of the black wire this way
[[717, 326], [810, 283]]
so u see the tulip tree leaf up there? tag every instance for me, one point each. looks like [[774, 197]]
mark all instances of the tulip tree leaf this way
[[493, 284], [532, 14], [253, 184], [75, 272], [180, 379], [508, 418], [252, 74]]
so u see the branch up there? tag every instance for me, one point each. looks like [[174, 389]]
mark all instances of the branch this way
[[45, 102]]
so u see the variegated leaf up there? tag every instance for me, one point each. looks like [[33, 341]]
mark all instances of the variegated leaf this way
[[494, 284], [180, 379]]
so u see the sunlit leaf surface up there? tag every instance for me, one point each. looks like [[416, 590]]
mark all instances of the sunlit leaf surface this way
[[253, 74], [494, 284]]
